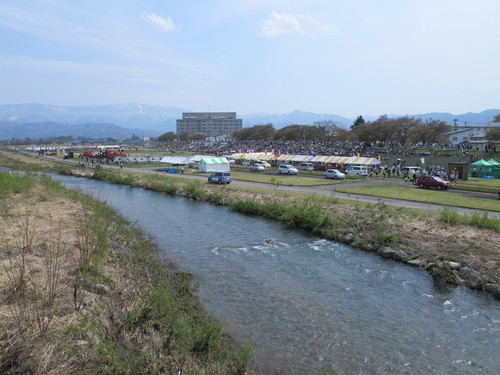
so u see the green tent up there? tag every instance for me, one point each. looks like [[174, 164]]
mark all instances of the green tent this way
[[480, 163], [214, 165], [485, 168]]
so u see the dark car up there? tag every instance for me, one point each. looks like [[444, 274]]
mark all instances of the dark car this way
[[220, 178], [433, 181]]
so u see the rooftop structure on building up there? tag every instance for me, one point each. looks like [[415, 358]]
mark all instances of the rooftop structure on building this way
[[209, 123]]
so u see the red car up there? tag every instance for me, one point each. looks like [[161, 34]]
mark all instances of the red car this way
[[433, 181]]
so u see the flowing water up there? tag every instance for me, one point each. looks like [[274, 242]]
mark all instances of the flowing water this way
[[307, 303]]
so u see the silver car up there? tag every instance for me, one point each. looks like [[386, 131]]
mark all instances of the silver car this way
[[287, 169], [335, 174], [257, 167]]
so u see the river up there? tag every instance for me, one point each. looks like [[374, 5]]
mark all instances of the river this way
[[306, 303]]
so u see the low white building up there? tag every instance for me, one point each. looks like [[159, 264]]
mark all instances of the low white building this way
[[474, 134]]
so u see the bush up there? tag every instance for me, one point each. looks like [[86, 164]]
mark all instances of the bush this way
[[194, 189], [450, 216], [14, 183]]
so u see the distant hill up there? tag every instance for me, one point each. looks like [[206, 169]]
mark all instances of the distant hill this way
[[308, 118], [470, 118], [131, 116], [123, 120], [47, 129], [292, 118]]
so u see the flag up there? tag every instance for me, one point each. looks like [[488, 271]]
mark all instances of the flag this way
[[422, 160]]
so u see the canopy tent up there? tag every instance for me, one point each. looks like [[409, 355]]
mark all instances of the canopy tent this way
[[480, 163], [494, 163], [197, 158], [255, 156], [330, 159], [268, 156], [176, 160], [309, 158], [486, 168], [214, 165]]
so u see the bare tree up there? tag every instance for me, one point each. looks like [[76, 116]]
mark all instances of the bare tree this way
[[403, 127]]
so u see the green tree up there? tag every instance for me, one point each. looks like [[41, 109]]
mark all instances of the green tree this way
[[332, 129], [254, 133], [302, 133], [291, 133], [496, 118], [403, 127], [382, 129], [493, 134], [166, 137], [434, 131], [359, 121]]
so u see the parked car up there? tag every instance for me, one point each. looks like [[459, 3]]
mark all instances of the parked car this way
[[358, 170], [247, 162], [264, 163], [287, 169], [306, 166], [230, 159], [220, 178], [257, 167], [433, 181], [335, 174]]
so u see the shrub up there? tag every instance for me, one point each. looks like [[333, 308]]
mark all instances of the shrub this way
[[194, 189], [450, 216], [242, 357], [14, 183], [246, 206], [483, 221], [389, 239]]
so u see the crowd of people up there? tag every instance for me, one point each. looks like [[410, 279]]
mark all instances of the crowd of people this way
[[338, 148], [382, 151]]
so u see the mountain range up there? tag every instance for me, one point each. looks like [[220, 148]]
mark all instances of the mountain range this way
[[125, 120]]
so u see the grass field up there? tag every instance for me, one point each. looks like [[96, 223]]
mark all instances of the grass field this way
[[490, 182], [424, 195]]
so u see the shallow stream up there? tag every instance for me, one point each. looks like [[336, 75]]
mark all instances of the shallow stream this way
[[307, 303]]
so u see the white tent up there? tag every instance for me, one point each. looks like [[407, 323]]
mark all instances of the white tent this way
[[176, 160], [214, 165], [197, 158]]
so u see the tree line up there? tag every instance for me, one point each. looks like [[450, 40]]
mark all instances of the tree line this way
[[402, 130]]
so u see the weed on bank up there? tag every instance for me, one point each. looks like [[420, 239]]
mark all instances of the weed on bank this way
[[85, 292]]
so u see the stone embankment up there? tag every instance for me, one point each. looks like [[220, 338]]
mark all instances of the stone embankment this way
[[447, 272]]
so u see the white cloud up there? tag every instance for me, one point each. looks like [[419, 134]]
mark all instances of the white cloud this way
[[279, 24], [283, 23], [163, 24]]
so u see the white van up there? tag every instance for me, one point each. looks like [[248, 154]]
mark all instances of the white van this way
[[306, 166], [357, 170]]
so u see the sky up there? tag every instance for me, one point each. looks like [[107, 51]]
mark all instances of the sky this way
[[345, 57]]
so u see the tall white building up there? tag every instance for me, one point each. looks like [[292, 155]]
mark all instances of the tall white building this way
[[209, 123]]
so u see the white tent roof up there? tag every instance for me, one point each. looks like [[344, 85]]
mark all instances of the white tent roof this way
[[197, 158], [176, 160], [310, 158]]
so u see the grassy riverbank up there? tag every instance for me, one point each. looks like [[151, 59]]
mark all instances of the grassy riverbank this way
[[455, 249], [446, 244], [85, 292]]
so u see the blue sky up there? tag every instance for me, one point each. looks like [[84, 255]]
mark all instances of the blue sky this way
[[347, 57]]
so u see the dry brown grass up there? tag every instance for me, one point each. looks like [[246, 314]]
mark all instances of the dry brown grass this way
[[38, 259]]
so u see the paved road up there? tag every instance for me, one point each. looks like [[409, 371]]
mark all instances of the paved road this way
[[329, 191]]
